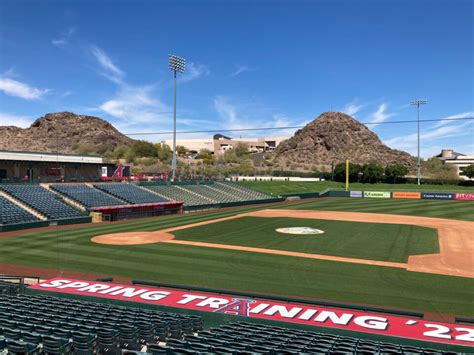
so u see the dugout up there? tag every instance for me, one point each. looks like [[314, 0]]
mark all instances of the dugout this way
[[38, 167], [116, 213]]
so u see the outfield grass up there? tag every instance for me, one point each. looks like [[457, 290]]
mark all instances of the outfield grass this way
[[463, 210], [71, 249], [289, 187], [375, 241]]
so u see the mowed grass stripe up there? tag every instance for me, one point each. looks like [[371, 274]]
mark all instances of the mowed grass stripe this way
[[297, 277]]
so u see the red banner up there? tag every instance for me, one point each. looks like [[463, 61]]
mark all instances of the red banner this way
[[365, 322], [465, 197]]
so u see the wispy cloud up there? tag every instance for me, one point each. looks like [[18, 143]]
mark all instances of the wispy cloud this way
[[64, 37], [109, 69], [240, 115], [459, 115], [19, 89], [352, 108], [379, 116], [239, 69], [8, 119], [193, 72], [431, 138]]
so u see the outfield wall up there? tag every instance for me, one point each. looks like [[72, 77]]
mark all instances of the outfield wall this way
[[413, 195]]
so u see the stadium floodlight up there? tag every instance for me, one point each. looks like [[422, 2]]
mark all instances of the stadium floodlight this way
[[417, 103], [177, 64]]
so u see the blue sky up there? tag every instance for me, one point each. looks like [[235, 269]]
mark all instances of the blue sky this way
[[249, 64]]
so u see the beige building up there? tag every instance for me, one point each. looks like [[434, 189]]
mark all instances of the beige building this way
[[220, 143], [449, 156]]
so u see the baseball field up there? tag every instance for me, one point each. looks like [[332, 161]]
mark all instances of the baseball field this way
[[410, 254]]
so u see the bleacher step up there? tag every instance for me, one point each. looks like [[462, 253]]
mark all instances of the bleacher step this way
[[23, 205]]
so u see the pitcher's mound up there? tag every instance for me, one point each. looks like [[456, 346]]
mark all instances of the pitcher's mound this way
[[132, 238]]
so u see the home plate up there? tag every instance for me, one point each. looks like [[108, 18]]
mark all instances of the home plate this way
[[299, 230]]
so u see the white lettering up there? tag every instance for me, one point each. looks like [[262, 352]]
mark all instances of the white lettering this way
[[94, 288], [112, 289], [259, 308], [307, 314], [76, 284], [154, 295], [283, 311], [189, 298], [372, 322], [213, 302], [55, 283], [323, 316], [129, 292]]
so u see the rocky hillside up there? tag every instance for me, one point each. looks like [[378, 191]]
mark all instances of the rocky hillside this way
[[65, 132], [335, 137]]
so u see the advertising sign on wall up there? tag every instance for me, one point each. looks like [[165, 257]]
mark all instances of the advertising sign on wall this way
[[465, 197], [437, 196], [406, 194], [377, 194], [356, 194], [307, 314]]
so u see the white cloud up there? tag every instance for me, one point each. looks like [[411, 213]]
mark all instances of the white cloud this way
[[239, 69], [64, 37], [459, 115], [242, 116], [110, 70], [193, 72], [8, 119], [431, 139], [352, 108], [380, 115], [16, 88]]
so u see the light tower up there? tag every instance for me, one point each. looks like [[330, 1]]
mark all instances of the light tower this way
[[417, 103], [177, 64]]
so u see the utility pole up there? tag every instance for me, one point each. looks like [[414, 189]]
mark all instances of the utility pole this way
[[417, 103]]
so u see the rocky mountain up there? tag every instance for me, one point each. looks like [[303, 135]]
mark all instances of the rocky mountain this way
[[65, 132], [335, 137]]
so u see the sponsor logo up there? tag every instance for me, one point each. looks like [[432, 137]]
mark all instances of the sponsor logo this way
[[406, 194], [465, 197], [299, 230], [437, 196], [377, 194], [299, 313], [355, 194]]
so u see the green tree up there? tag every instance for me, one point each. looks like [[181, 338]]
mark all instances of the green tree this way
[[181, 150], [468, 171], [120, 152], [130, 156], [206, 156], [434, 168], [164, 152], [340, 172], [144, 149], [372, 172], [395, 171], [241, 149], [230, 156]]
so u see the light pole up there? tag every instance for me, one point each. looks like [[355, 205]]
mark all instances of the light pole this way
[[417, 103], [177, 64]]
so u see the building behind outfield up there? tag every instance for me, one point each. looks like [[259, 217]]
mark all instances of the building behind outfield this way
[[459, 160], [16, 166]]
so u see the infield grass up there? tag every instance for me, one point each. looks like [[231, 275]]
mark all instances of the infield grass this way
[[375, 241]]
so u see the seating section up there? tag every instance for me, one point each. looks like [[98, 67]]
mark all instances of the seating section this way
[[10, 288], [205, 194], [87, 195], [42, 200], [12, 214], [35, 324], [51, 325], [130, 193], [250, 338]]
